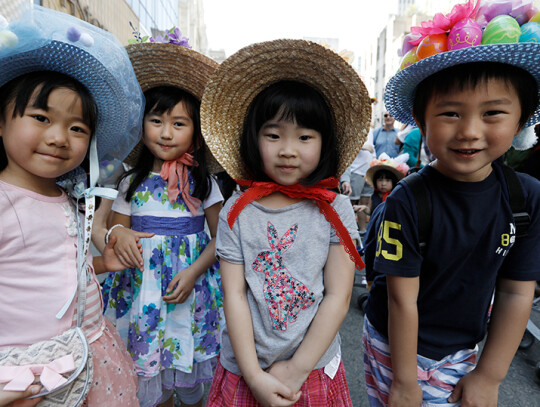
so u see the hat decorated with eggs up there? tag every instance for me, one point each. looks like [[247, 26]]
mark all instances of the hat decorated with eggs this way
[[48, 40], [503, 31]]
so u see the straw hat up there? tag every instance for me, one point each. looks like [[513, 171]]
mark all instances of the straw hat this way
[[166, 64], [242, 76], [384, 162]]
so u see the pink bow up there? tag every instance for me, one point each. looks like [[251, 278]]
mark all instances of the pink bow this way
[[18, 378], [175, 170]]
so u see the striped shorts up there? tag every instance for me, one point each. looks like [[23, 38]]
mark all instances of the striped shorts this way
[[436, 378]]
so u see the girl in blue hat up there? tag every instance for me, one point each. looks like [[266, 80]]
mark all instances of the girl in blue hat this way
[[428, 308], [68, 97]]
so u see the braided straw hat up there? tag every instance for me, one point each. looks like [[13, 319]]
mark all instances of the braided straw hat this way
[[165, 64], [242, 76]]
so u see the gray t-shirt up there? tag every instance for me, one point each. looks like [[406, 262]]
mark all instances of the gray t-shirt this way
[[284, 252]]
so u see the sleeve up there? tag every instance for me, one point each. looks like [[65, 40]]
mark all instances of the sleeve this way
[[410, 146], [228, 245], [215, 195], [120, 205], [343, 207], [521, 263], [346, 177], [397, 250]]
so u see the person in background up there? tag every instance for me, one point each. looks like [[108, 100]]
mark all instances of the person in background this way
[[384, 137]]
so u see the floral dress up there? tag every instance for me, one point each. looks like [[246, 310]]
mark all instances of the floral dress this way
[[172, 345]]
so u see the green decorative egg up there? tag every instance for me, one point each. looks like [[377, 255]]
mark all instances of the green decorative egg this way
[[501, 30]]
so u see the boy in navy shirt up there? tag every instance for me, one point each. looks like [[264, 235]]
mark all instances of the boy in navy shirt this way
[[428, 311]]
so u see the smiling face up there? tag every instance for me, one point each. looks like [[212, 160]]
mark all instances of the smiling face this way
[[289, 152], [466, 130], [168, 135], [43, 144]]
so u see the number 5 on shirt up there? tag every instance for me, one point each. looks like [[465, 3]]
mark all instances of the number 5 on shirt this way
[[384, 234]]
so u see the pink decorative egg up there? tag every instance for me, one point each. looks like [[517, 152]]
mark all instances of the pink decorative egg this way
[[465, 33], [431, 45], [408, 59]]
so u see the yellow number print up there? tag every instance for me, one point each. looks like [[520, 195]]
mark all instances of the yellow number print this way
[[384, 234], [505, 239]]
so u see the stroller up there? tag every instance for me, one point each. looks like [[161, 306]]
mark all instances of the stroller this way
[[532, 332]]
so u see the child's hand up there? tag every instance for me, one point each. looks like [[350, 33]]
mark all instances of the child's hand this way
[[360, 208], [346, 188], [111, 262], [405, 395], [286, 372], [269, 391], [127, 248], [476, 390], [184, 282], [8, 398]]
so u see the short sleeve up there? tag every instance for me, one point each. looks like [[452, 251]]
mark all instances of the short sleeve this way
[[228, 245], [215, 195], [521, 263], [343, 207], [120, 205], [397, 251]]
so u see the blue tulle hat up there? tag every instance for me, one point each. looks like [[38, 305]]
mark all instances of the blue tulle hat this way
[[48, 40], [400, 90]]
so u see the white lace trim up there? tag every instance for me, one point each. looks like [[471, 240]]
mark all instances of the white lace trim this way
[[71, 222]]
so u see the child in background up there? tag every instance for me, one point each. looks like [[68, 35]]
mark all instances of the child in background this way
[[287, 277], [428, 310], [75, 104], [167, 307], [383, 175]]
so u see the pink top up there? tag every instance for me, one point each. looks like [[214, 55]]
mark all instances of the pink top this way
[[38, 271]]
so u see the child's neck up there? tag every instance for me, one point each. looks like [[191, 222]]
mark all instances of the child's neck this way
[[42, 186], [277, 200]]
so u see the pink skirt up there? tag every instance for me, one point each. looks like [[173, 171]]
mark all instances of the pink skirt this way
[[319, 390], [115, 381]]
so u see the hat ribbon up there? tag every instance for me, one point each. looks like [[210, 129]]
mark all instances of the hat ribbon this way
[[177, 170], [18, 378], [319, 193]]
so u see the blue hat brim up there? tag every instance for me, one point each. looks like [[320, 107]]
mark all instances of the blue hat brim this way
[[400, 91]]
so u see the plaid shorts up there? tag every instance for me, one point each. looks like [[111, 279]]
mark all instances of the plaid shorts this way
[[319, 390], [437, 378]]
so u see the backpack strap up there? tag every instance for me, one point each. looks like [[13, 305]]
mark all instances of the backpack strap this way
[[522, 219], [423, 207]]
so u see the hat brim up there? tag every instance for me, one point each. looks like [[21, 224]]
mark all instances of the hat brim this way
[[162, 64], [242, 76], [400, 90], [372, 170]]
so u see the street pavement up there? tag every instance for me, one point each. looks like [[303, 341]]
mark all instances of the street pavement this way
[[521, 387]]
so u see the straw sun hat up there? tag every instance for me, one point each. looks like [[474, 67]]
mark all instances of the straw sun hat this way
[[242, 76], [167, 64]]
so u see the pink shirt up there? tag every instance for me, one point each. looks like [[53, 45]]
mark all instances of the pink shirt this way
[[38, 270]]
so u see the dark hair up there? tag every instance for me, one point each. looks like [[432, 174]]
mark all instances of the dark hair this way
[[469, 76], [18, 92], [292, 101], [163, 99], [386, 174]]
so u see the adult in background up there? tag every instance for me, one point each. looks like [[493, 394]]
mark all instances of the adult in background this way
[[384, 136]]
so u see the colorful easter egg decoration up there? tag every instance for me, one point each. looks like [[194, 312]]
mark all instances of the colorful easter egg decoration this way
[[501, 30], [8, 39], [535, 18], [408, 59], [530, 32], [466, 33], [431, 45]]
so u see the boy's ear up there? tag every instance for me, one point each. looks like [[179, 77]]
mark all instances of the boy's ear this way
[[420, 126]]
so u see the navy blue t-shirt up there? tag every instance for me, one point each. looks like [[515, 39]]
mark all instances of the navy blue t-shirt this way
[[468, 247]]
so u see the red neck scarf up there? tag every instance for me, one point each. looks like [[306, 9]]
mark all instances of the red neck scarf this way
[[318, 193], [177, 170], [385, 195]]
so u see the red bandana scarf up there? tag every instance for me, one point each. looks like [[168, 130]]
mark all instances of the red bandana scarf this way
[[318, 193], [177, 170]]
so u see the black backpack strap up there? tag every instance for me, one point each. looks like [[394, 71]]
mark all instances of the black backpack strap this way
[[423, 207], [522, 219]]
